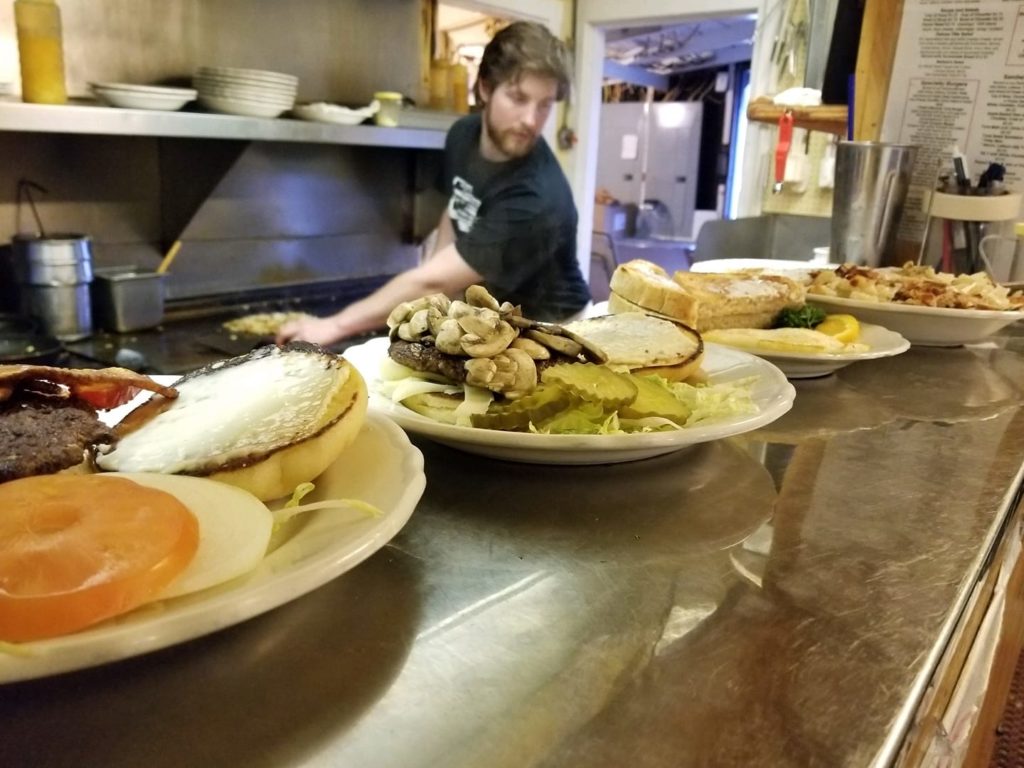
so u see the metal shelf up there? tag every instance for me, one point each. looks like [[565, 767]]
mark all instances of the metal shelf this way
[[90, 118]]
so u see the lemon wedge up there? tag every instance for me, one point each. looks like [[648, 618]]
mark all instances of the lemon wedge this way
[[844, 328]]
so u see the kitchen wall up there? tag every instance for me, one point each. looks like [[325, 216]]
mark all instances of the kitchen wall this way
[[250, 215]]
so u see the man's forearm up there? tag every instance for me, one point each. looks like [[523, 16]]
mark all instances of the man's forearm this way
[[372, 312]]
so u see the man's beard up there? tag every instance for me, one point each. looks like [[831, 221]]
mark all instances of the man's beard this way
[[509, 142]]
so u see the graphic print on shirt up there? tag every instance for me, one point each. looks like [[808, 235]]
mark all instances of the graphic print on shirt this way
[[463, 205]]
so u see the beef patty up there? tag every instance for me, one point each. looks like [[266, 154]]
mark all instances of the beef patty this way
[[41, 435]]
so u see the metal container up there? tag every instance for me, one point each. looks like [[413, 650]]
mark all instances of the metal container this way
[[127, 300], [53, 275], [872, 179]]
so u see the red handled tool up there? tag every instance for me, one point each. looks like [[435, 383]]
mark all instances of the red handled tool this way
[[782, 149]]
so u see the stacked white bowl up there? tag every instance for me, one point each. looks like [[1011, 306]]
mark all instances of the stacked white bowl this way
[[250, 92]]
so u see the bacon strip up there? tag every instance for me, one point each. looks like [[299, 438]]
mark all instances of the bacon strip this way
[[103, 388]]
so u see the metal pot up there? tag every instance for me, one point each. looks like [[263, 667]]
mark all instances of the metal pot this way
[[53, 275]]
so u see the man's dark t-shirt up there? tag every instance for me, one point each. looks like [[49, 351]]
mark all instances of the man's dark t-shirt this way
[[515, 224]]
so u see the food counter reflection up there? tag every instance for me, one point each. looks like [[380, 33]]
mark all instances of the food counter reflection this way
[[777, 599]]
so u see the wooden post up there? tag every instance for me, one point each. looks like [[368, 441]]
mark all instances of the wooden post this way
[[879, 33]]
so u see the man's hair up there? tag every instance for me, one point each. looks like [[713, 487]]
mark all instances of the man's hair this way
[[525, 47]]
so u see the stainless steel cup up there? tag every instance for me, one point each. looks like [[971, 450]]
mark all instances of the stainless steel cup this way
[[872, 179], [124, 299], [53, 275]]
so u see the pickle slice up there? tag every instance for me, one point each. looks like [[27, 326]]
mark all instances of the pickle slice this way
[[652, 399], [516, 415], [593, 383], [582, 419]]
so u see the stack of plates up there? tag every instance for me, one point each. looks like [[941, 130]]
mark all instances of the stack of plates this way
[[250, 92], [129, 96]]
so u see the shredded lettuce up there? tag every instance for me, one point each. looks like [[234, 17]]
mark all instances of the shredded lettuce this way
[[301, 490], [365, 509], [294, 506], [711, 402]]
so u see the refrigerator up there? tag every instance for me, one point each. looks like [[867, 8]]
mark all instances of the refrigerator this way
[[647, 156]]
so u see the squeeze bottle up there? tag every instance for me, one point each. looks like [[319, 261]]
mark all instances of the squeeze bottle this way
[[40, 51]]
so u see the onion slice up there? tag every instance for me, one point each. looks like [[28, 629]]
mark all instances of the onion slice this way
[[234, 529]]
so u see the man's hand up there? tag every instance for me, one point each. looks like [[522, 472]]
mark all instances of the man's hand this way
[[318, 330]]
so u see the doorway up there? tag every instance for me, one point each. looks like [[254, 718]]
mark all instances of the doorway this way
[[666, 138]]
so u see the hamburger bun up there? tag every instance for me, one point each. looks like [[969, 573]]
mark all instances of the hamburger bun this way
[[644, 344], [264, 422]]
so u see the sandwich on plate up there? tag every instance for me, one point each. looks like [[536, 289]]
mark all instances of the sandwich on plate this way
[[82, 546], [704, 300], [480, 363], [747, 309]]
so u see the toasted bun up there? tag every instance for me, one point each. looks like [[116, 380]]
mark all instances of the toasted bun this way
[[264, 422], [642, 343], [647, 286], [739, 300]]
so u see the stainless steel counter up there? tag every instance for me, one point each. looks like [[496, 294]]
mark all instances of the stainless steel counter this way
[[776, 600]]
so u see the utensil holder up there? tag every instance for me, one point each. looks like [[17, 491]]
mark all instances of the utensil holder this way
[[958, 224]]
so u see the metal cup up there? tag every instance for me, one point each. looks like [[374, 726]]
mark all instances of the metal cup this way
[[53, 275], [872, 179]]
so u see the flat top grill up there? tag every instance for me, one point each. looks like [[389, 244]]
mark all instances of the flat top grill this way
[[192, 334]]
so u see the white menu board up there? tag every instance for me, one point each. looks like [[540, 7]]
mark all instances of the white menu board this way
[[957, 80]]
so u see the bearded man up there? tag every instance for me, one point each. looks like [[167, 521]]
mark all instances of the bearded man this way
[[510, 222]]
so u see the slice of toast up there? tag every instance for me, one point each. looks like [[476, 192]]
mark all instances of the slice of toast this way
[[645, 285], [739, 300]]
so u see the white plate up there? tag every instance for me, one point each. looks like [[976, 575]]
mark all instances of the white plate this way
[[927, 326], [772, 394], [244, 91], [381, 467], [323, 112], [804, 365], [156, 90], [143, 97], [242, 107], [249, 75]]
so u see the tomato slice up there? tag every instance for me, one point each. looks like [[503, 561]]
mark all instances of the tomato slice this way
[[78, 549], [104, 395]]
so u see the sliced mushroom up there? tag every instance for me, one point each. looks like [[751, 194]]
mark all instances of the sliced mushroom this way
[[532, 348], [435, 318], [525, 373], [405, 311], [478, 296], [488, 346], [418, 323], [448, 338], [591, 351], [561, 344], [398, 314], [459, 309], [512, 373], [480, 371], [484, 322]]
